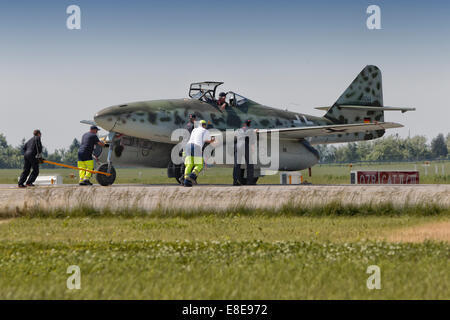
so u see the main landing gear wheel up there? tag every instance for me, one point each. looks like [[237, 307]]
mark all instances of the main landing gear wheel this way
[[180, 179], [176, 171], [105, 180], [179, 172], [243, 180]]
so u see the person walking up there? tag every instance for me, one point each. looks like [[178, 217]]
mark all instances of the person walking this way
[[32, 154]]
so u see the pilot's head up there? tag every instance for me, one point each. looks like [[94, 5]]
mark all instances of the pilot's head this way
[[203, 123], [248, 123], [192, 117], [222, 96]]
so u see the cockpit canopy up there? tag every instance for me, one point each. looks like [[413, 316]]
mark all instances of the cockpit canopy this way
[[206, 91]]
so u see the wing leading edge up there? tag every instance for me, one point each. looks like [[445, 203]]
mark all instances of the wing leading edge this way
[[370, 108], [305, 132], [91, 122]]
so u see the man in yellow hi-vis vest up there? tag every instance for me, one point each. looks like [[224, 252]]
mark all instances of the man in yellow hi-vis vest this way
[[194, 153], [85, 161]]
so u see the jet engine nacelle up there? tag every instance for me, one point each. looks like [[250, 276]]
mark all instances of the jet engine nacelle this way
[[293, 155], [297, 155]]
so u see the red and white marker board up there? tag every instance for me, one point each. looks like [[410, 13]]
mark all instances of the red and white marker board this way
[[384, 177]]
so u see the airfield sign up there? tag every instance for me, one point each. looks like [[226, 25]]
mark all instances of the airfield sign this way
[[384, 177]]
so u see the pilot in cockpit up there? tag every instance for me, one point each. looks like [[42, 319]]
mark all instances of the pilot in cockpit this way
[[221, 102]]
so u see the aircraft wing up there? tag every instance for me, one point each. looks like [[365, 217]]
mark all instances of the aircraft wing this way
[[91, 122], [370, 108], [315, 131]]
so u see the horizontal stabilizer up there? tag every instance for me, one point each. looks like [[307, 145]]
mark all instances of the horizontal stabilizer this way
[[316, 131]]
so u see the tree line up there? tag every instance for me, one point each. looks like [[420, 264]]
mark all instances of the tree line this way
[[12, 157], [390, 148]]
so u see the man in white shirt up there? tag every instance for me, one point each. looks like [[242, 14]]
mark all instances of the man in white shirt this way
[[194, 153]]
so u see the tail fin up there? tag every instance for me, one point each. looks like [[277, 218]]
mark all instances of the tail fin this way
[[366, 90]]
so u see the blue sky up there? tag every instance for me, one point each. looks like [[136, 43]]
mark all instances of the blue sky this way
[[288, 54]]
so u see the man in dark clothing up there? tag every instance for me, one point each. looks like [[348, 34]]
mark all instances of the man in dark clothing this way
[[242, 144], [85, 161], [31, 153], [191, 124]]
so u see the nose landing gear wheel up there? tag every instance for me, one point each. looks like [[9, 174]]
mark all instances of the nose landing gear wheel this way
[[180, 174], [103, 179]]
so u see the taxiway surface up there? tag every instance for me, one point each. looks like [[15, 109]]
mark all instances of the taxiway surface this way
[[151, 197]]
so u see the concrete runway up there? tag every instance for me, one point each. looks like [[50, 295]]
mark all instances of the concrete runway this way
[[150, 197]]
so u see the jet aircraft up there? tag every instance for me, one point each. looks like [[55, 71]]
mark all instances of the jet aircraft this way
[[140, 132]]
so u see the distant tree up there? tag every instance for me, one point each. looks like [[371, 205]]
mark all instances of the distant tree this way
[[352, 152], [3, 142], [390, 148], [71, 157], [364, 149], [44, 152], [439, 147], [21, 145], [10, 157], [74, 146], [417, 148], [348, 153], [448, 142], [56, 156], [331, 154], [326, 152]]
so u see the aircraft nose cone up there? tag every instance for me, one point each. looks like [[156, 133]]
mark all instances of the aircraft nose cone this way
[[106, 118]]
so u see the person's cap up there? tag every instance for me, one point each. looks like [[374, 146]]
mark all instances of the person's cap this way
[[94, 128], [222, 94], [202, 122]]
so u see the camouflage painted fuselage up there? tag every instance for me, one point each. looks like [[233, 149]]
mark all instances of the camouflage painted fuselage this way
[[156, 120], [148, 127]]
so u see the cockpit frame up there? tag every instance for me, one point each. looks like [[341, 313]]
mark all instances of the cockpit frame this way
[[204, 91]]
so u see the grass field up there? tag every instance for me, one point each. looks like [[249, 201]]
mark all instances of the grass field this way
[[291, 253], [261, 255], [321, 174]]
